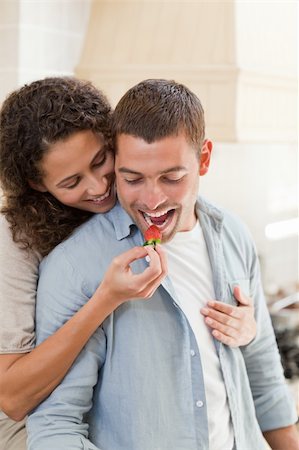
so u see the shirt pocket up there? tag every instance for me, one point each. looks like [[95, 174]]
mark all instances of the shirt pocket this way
[[244, 285]]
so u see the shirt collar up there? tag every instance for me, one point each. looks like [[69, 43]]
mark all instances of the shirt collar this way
[[206, 210], [123, 223]]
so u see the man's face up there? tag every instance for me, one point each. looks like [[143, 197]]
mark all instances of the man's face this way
[[157, 183]]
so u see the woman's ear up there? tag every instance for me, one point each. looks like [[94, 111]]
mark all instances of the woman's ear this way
[[37, 186], [205, 156]]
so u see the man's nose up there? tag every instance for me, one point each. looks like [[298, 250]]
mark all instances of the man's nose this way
[[153, 197]]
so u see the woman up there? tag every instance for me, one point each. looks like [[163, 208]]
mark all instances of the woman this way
[[56, 170]]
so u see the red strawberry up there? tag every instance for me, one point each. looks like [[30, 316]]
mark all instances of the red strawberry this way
[[152, 236]]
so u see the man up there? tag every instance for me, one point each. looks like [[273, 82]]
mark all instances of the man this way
[[152, 377]]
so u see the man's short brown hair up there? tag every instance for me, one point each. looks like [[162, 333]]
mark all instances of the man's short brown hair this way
[[157, 108]]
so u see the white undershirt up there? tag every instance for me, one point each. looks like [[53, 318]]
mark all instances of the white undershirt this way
[[191, 275]]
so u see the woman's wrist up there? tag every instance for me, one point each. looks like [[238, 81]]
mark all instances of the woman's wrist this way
[[107, 298]]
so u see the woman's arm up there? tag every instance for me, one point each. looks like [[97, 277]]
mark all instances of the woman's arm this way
[[27, 379]]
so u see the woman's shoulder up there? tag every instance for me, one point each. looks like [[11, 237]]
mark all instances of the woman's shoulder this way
[[10, 250], [18, 280]]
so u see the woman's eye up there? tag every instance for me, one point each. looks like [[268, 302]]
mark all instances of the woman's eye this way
[[100, 162], [71, 186]]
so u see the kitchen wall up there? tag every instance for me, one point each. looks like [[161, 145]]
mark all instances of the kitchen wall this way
[[40, 38], [259, 182]]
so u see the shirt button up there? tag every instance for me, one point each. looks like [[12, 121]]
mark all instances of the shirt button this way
[[192, 352], [199, 403]]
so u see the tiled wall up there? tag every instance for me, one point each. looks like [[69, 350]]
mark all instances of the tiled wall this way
[[40, 38]]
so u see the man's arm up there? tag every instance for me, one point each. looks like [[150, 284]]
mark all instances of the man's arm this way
[[275, 409], [58, 423], [283, 438]]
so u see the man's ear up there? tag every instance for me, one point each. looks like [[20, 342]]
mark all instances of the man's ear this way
[[37, 186], [205, 156]]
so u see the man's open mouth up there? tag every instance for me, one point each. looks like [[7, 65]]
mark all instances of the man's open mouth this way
[[160, 218]]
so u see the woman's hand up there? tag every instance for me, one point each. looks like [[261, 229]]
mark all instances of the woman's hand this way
[[121, 284], [232, 325]]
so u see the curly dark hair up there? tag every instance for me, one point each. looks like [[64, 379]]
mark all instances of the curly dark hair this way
[[32, 119], [156, 108]]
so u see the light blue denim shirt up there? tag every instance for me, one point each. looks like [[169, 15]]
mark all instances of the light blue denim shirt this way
[[138, 383]]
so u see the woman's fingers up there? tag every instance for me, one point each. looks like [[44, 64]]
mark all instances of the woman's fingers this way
[[125, 259], [163, 259], [155, 273], [145, 283]]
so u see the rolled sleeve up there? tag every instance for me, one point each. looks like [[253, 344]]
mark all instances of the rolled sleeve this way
[[273, 403]]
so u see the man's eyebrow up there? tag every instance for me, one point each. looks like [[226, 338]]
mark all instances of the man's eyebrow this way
[[163, 172], [102, 150]]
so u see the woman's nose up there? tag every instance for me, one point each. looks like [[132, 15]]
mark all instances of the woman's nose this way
[[97, 186]]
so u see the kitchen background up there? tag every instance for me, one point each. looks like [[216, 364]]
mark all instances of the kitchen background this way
[[240, 57]]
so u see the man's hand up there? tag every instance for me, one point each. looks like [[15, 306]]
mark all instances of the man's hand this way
[[232, 325]]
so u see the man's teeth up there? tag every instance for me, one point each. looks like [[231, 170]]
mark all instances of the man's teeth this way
[[148, 220], [157, 214], [149, 216]]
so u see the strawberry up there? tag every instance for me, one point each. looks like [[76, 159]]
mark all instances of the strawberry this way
[[152, 236]]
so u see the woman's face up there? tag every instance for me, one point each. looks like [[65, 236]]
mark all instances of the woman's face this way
[[79, 172]]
